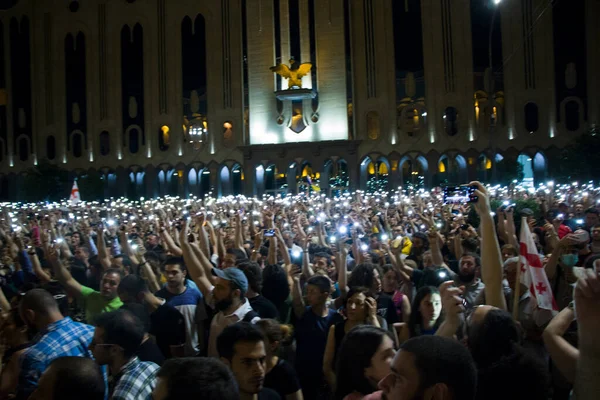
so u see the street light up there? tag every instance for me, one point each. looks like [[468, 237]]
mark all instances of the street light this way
[[491, 91]]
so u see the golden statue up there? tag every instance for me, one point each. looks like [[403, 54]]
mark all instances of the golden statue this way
[[293, 73]]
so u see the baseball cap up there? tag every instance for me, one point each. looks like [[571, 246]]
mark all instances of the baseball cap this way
[[234, 275], [581, 236], [527, 211]]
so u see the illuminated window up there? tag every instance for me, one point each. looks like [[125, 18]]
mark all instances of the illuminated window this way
[[164, 138]]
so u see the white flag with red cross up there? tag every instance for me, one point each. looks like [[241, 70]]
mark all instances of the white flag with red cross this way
[[533, 275], [75, 197]]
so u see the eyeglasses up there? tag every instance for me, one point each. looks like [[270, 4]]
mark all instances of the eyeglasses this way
[[94, 345]]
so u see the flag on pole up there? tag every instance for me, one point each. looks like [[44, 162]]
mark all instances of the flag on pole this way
[[75, 197], [316, 188], [533, 275]]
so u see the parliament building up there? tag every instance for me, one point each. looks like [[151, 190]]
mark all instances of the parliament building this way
[[227, 97]]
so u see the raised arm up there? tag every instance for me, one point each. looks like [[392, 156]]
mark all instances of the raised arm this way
[[103, 256], [587, 298], [563, 354], [492, 272], [282, 247], [169, 242], [196, 262], [62, 274], [297, 299], [42, 276]]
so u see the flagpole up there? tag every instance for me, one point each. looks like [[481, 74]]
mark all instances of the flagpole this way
[[517, 291]]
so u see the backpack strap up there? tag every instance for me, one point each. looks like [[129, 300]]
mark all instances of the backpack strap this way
[[250, 315]]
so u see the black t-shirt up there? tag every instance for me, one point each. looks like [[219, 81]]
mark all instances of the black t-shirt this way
[[168, 327], [386, 309], [283, 379], [264, 307], [268, 394], [149, 351]]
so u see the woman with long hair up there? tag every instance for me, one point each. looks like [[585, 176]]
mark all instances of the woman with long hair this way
[[280, 375], [360, 309], [365, 358], [391, 287], [425, 318]]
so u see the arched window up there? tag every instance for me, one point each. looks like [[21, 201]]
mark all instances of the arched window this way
[[104, 143], [77, 145], [451, 121], [531, 117], [164, 138], [134, 141], [572, 115], [50, 148], [23, 149]]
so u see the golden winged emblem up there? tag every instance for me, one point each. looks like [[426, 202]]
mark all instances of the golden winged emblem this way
[[293, 73]]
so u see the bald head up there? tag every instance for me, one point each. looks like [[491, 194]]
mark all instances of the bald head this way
[[40, 301]]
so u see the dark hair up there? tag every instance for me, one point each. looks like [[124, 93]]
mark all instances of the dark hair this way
[[239, 332], [114, 271], [322, 282], [253, 274], [523, 370], [60, 295], [592, 210], [198, 378], [324, 255], [423, 237], [239, 254], [355, 354], [77, 378], [475, 257], [275, 286], [274, 331], [363, 275], [176, 261], [415, 320], [496, 336], [357, 290], [123, 329], [511, 248], [389, 267], [140, 312], [133, 285], [470, 245], [443, 360], [40, 301]]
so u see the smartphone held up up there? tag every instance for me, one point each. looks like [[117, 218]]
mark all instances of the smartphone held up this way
[[460, 195]]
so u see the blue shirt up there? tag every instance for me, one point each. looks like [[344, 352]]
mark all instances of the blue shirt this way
[[63, 338], [311, 337]]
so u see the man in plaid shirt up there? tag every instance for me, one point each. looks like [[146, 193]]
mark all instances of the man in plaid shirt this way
[[117, 338], [58, 337]]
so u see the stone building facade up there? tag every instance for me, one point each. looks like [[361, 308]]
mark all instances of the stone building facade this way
[[176, 96]]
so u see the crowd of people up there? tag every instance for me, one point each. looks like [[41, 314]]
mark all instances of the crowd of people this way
[[362, 296]]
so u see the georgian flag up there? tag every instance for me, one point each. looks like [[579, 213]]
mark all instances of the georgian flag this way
[[532, 271], [75, 197]]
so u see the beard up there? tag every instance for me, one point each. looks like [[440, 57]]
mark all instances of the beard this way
[[466, 278], [224, 304]]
